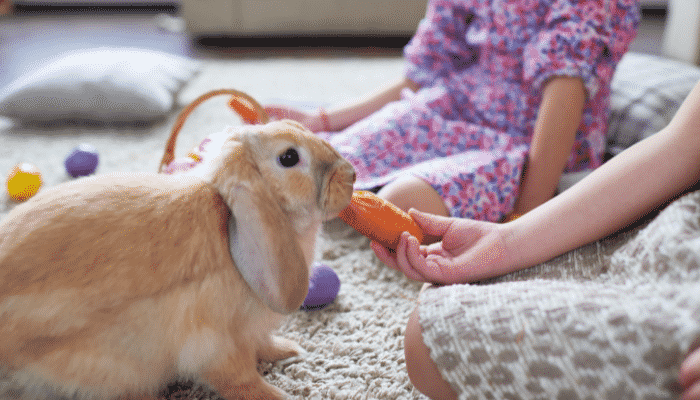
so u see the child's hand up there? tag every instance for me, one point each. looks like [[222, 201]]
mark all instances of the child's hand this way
[[469, 251], [312, 121], [690, 376]]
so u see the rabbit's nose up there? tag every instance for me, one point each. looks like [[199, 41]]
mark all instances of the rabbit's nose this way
[[338, 189]]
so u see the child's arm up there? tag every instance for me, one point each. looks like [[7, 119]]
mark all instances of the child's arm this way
[[555, 131], [616, 194], [338, 118], [610, 198]]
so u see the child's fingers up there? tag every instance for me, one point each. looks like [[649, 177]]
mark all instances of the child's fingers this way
[[273, 112], [272, 108], [408, 258], [431, 224], [416, 259], [692, 393], [280, 112], [402, 259], [384, 255], [440, 269]]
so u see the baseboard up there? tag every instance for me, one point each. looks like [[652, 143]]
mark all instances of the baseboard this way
[[304, 41], [95, 7]]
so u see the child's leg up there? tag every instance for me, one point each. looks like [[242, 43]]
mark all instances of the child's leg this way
[[474, 184], [424, 374], [422, 371], [689, 376], [413, 192]]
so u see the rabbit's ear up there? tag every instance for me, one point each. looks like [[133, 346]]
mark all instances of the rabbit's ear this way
[[264, 243]]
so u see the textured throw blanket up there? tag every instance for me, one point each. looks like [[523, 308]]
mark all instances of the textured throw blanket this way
[[610, 320]]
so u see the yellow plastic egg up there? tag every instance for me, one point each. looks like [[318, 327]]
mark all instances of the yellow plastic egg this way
[[23, 181], [194, 155]]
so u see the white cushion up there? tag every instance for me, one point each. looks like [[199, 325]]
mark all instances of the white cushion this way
[[103, 84]]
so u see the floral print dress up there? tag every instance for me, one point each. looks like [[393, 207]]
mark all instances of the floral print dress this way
[[482, 65]]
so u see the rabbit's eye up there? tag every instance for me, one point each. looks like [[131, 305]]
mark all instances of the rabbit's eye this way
[[289, 158]]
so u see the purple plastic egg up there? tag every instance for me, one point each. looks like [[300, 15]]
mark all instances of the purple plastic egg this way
[[82, 160], [323, 288]]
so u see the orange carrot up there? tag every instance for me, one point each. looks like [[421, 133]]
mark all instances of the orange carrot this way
[[379, 220], [245, 110]]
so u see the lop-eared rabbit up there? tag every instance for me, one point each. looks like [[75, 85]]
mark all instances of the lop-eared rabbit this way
[[114, 285]]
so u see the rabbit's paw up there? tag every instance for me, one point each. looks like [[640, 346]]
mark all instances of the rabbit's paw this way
[[278, 349], [237, 387]]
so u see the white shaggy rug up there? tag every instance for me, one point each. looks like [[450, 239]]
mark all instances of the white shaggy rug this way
[[355, 346]]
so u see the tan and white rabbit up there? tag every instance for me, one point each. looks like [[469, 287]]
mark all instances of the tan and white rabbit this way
[[112, 286]]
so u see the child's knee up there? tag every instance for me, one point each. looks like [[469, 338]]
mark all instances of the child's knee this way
[[422, 371], [413, 192], [413, 350]]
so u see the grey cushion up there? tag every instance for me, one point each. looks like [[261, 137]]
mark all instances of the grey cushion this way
[[646, 93]]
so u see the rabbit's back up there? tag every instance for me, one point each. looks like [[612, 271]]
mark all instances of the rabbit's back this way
[[140, 230]]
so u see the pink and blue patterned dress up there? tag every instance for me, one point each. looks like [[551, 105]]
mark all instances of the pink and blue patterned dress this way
[[482, 66]]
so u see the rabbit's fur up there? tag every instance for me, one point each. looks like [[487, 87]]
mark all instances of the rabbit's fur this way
[[113, 286]]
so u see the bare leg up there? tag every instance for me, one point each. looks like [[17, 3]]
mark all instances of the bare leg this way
[[690, 376], [413, 192], [422, 371]]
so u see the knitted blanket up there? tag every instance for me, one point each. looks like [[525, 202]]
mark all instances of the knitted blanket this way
[[610, 320]]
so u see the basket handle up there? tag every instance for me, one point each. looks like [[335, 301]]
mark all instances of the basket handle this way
[[247, 108]]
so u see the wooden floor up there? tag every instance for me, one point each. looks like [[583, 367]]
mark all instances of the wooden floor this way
[[28, 39]]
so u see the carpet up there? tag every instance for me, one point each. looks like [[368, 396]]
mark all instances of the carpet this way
[[354, 347]]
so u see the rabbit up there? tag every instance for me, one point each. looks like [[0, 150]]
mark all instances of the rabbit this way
[[112, 286]]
